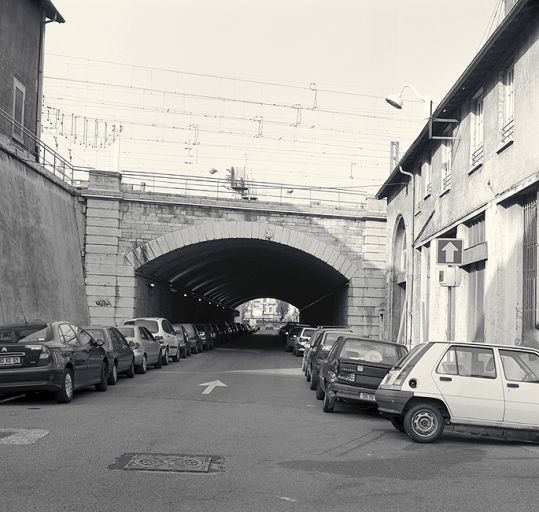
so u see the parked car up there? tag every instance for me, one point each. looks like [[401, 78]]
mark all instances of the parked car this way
[[146, 349], [119, 353], [302, 341], [58, 357], [205, 335], [354, 368], [321, 343], [185, 346], [495, 387], [193, 338], [164, 333], [293, 335]]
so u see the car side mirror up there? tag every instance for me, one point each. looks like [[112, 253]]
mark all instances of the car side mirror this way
[[99, 342], [131, 343]]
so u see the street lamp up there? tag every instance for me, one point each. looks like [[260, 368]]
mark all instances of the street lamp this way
[[396, 100]]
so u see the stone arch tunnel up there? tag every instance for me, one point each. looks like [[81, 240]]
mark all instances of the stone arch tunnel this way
[[196, 259]]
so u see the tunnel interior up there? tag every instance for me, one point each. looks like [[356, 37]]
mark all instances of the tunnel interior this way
[[206, 281]]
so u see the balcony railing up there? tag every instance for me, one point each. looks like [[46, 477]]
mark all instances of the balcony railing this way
[[508, 131], [477, 156]]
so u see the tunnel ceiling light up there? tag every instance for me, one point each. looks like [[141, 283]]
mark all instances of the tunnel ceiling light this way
[[151, 285], [185, 294]]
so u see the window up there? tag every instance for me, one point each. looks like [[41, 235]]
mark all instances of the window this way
[[520, 366], [447, 164], [426, 177], [19, 94], [84, 337], [529, 267], [468, 362], [67, 334], [508, 106], [476, 153]]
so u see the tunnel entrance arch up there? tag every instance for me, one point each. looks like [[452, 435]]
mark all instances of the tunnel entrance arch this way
[[214, 267]]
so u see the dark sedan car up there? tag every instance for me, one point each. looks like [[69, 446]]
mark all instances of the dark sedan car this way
[[57, 357], [321, 343], [119, 353], [354, 368]]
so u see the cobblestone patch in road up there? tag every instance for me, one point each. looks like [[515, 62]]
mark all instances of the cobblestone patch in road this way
[[174, 463]]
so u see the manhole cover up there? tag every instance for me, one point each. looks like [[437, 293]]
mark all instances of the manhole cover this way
[[174, 463]]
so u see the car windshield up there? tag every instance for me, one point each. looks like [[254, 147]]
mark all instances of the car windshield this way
[[95, 333], [307, 333], [16, 334], [369, 351], [128, 332], [151, 325], [295, 331]]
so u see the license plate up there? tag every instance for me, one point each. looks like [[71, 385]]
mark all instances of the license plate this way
[[4, 361], [367, 396], [359, 367]]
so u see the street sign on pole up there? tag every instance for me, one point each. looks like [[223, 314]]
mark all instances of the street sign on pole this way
[[449, 251]]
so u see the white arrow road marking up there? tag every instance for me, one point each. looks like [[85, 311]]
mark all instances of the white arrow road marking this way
[[450, 249], [212, 385]]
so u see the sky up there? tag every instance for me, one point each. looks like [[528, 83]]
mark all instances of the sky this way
[[284, 90]]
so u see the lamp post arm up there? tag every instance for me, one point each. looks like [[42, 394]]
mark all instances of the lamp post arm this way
[[426, 99]]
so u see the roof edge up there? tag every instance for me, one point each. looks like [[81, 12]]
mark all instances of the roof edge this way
[[383, 192], [52, 12]]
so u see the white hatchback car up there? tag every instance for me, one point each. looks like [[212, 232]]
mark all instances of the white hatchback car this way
[[462, 384], [164, 333]]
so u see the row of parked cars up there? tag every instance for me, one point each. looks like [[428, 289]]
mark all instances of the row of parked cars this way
[[61, 357], [463, 386]]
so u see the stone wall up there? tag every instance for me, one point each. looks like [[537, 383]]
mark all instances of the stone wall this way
[[41, 273], [120, 221]]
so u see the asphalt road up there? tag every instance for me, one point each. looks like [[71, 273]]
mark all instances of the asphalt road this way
[[271, 447]]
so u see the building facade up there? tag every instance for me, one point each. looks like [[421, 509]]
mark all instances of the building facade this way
[[22, 37], [472, 174]]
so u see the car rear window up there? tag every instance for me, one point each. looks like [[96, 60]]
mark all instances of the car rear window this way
[[16, 334], [413, 356], [128, 332], [370, 351], [308, 332], [151, 325], [189, 329], [331, 338], [295, 331]]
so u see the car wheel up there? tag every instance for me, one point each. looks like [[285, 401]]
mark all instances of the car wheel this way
[[298, 353], [294, 350], [304, 367], [397, 422], [189, 351], [176, 357], [131, 372], [307, 375], [102, 384], [113, 375], [424, 423], [159, 362], [65, 393], [164, 362], [329, 402], [319, 391], [314, 381], [143, 368]]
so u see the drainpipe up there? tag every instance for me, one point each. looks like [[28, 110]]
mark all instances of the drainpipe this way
[[411, 295]]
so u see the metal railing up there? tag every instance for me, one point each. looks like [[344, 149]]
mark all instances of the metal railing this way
[[225, 189], [507, 131], [31, 149], [477, 156]]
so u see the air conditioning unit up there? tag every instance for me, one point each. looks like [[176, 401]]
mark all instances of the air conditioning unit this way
[[448, 276]]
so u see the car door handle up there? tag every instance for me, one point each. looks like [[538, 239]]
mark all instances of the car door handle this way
[[510, 385], [446, 379]]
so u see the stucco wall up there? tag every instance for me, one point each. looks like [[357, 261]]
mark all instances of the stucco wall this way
[[20, 29], [41, 273]]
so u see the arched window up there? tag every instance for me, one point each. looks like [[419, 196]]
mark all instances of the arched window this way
[[399, 248]]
